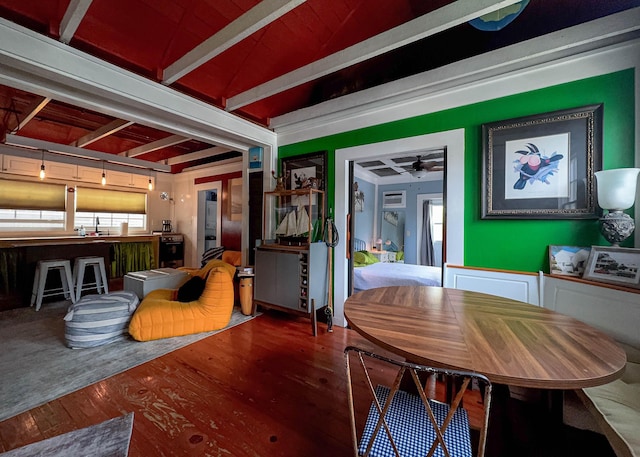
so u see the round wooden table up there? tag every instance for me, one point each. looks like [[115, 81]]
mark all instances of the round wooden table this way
[[508, 341]]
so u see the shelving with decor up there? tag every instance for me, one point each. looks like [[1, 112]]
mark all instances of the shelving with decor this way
[[291, 262]]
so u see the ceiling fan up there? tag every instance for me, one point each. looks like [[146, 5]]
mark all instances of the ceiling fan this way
[[419, 168]]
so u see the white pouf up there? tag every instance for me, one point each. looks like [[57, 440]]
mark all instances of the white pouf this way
[[95, 320]]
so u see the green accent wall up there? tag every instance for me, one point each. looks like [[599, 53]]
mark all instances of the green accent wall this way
[[520, 245]]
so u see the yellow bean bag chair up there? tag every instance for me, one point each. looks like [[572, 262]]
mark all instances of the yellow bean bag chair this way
[[160, 315]]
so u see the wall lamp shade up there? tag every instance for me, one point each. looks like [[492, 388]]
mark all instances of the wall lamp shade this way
[[419, 173], [617, 192]]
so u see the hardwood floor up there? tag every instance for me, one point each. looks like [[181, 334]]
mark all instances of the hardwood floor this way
[[263, 388]]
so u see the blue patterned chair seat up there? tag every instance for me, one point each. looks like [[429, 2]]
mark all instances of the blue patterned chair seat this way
[[410, 427]]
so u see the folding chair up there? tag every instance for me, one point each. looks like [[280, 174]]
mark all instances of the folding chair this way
[[402, 423]]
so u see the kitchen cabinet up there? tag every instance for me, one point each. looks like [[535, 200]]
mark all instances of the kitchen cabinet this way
[[21, 165]]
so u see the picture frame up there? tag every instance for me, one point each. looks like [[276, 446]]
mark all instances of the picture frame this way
[[542, 166], [235, 199], [568, 260], [358, 198], [614, 265], [305, 170]]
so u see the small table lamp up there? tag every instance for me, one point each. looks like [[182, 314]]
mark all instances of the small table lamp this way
[[617, 192]]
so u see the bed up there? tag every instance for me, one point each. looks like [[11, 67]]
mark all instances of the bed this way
[[395, 274], [368, 273]]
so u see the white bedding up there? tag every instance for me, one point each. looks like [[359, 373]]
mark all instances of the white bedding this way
[[395, 274]]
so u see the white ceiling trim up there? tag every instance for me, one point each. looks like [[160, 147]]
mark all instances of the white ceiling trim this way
[[83, 153], [14, 124], [169, 141], [102, 132], [429, 24], [37, 64], [72, 18], [594, 48], [203, 154], [263, 14]]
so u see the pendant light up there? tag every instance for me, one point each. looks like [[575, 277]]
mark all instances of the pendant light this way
[[104, 176], [42, 173]]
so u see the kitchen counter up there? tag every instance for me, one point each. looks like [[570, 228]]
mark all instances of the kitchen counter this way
[[19, 256], [63, 240]]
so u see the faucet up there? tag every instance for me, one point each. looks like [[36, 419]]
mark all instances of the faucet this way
[[97, 224]]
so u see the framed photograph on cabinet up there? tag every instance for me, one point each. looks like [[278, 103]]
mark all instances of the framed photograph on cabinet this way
[[568, 260], [614, 265], [542, 166]]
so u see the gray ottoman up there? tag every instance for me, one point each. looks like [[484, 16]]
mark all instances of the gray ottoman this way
[[95, 320]]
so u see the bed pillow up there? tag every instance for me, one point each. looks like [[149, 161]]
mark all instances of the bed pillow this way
[[191, 290], [363, 258]]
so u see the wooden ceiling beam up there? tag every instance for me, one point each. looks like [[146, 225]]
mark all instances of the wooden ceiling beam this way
[[104, 131], [437, 21], [72, 17], [250, 22]]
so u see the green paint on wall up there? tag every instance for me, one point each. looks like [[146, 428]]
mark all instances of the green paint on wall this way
[[520, 245]]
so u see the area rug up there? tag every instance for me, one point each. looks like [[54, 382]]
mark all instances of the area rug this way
[[107, 439], [36, 366]]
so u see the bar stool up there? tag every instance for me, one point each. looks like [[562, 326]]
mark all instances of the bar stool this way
[[101, 283], [40, 279]]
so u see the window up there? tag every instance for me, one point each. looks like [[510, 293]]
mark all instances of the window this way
[[110, 208], [13, 219], [437, 220], [32, 206]]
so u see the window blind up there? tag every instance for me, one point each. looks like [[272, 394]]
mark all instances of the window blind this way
[[110, 201], [32, 195]]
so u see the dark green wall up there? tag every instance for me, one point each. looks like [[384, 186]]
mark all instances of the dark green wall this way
[[520, 245]]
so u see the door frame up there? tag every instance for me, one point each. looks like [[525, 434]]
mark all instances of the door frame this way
[[453, 140], [201, 212]]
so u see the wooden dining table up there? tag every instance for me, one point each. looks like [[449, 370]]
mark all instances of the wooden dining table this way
[[511, 342]]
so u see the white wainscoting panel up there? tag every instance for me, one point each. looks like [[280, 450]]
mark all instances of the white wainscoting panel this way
[[615, 312], [516, 286]]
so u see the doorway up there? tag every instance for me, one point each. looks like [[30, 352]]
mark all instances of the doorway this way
[[453, 140], [209, 217]]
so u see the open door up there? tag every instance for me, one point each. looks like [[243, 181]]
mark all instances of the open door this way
[[350, 229]]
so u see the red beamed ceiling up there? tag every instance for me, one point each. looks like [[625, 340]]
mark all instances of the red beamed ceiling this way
[[146, 36]]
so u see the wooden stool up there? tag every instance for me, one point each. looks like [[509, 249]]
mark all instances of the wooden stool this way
[[40, 279], [101, 283]]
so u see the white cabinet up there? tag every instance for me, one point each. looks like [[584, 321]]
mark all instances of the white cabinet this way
[[140, 181], [59, 170], [88, 174], [118, 178], [21, 166]]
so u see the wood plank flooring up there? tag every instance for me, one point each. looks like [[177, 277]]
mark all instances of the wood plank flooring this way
[[263, 388]]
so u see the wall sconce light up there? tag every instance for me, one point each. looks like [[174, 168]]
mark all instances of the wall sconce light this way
[[617, 192], [42, 173], [104, 176]]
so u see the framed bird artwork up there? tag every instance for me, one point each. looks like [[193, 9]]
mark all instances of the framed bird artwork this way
[[542, 166]]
